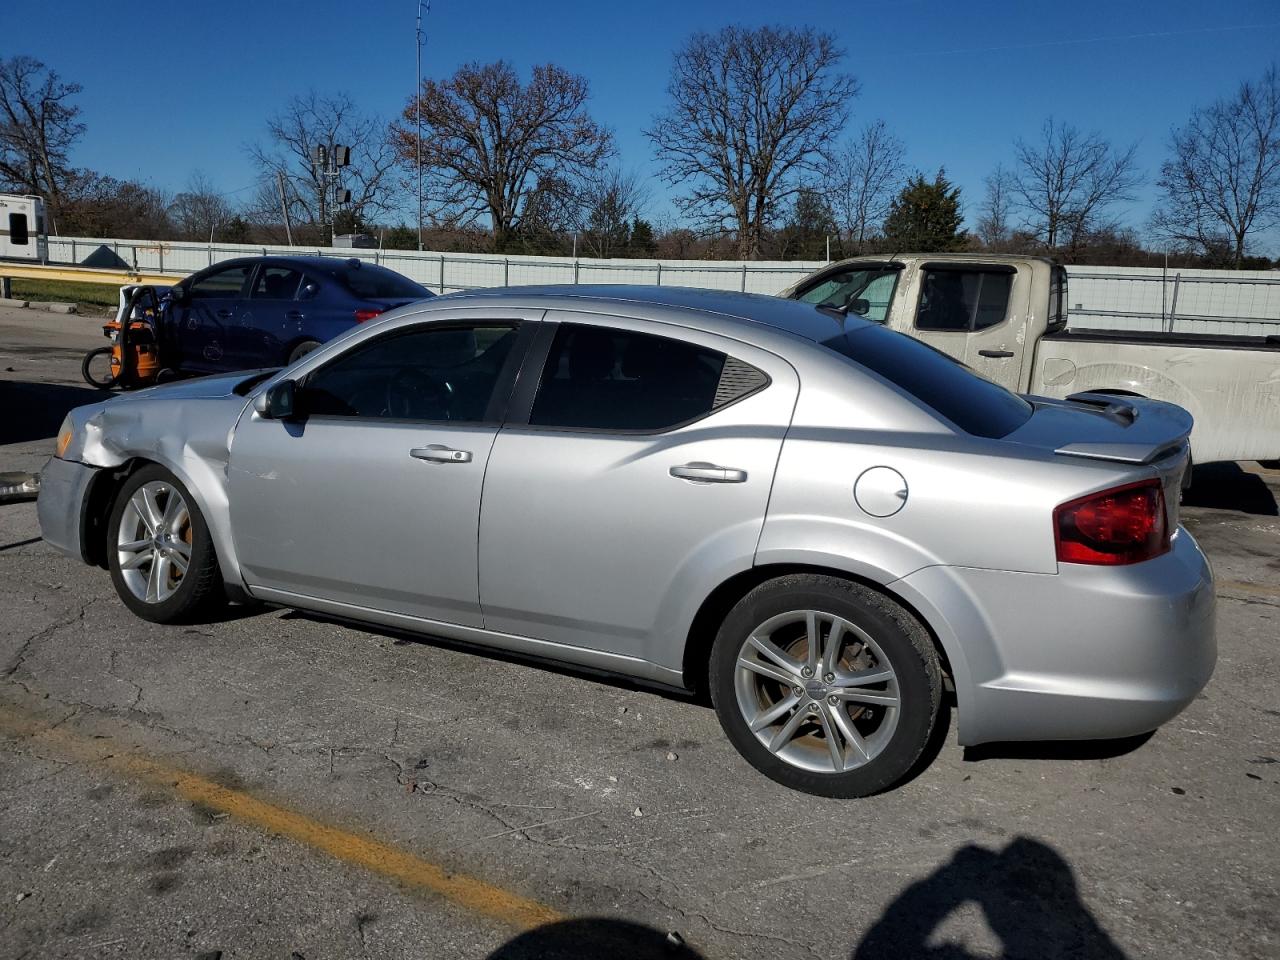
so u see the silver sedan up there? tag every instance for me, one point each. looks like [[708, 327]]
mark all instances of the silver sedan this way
[[822, 524]]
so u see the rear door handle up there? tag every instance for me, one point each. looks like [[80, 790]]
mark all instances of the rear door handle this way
[[995, 353], [708, 473], [224, 314], [294, 314], [437, 453]]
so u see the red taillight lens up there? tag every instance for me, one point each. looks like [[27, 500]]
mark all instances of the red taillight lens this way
[[363, 315], [1122, 525]]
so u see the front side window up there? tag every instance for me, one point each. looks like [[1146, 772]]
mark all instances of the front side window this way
[[602, 378], [18, 233], [867, 292], [963, 299], [276, 283], [440, 374], [221, 284]]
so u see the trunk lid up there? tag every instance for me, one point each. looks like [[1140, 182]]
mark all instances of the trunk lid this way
[[1120, 429]]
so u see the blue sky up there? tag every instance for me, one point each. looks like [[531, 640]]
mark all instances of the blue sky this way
[[176, 85]]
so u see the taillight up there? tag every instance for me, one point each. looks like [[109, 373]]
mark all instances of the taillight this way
[[363, 315], [1122, 525]]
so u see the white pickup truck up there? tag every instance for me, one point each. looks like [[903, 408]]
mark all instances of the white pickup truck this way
[[1006, 317]]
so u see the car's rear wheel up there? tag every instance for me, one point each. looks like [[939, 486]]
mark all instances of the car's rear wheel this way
[[825, 685], [301, 350], [159, 550]]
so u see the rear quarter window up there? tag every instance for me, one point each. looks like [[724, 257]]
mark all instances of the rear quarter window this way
[[974, 404]]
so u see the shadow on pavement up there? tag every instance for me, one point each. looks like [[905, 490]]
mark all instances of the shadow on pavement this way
[[589, 938], [1225, 486], [1027, 892], [1057, 749], [34, 411]]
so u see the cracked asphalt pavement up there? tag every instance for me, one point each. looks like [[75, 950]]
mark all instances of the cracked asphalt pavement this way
[[275, 785]]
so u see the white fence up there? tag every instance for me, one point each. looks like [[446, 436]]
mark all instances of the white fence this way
[[448, 272], [1118, 298]]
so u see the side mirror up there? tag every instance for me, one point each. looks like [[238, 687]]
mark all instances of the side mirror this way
[[179, 294], [277, 402], [309, 290], [859, 306]]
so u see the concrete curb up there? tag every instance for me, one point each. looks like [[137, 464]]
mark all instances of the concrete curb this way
[[53, 307], [11, 302]]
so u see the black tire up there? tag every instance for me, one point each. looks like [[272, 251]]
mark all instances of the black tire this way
[[198, 588], [90, 369], [301, 350], [901, 638]]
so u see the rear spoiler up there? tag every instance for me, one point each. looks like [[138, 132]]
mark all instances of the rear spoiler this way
[[1163, 432]]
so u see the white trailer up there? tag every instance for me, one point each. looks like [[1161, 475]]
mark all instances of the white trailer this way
[[22, 235]]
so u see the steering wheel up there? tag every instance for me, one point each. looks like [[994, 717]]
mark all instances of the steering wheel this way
[[412, 393]]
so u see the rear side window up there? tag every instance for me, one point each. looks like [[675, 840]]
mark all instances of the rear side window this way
[[1057, 300], [974, 404], [276, 283], [371, 282], [600, 378], [18, 233], [964, 300]]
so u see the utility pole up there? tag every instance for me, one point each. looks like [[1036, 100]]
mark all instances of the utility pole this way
[[327, 162], [284, 207], [419, 39]]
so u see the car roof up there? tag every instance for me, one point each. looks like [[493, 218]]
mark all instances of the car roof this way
[[789, 316], [302, 260]]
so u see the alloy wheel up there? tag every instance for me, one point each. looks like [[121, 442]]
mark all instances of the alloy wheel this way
[[817, 691], [154, 542]]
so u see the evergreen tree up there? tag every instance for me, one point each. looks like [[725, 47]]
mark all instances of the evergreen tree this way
[[926, 216], [642, 243]]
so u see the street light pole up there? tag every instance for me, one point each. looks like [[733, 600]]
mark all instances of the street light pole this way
[[417, 99]]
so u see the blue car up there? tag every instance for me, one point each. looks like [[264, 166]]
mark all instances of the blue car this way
[[267, 311]]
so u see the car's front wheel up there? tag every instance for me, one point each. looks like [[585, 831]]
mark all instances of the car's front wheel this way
[[825, 685], [159, 550]]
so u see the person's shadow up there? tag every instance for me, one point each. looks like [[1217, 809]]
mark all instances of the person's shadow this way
[[1027, 892]]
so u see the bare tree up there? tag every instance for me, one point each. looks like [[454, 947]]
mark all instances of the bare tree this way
[[752, 111], [38, 127], [489, 141], [994, 228], [861, 179], [305, 123], [1222, 182], [199, 210], [1067, 180], [609, 203]]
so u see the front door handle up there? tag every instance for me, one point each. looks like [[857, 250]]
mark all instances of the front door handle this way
[[708, 473], [437, 453], [294, 314], [995, 353], [224, 314]]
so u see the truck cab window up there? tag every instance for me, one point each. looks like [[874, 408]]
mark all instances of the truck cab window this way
[[963, 300]]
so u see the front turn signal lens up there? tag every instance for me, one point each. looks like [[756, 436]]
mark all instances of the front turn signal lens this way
[[64, 438]]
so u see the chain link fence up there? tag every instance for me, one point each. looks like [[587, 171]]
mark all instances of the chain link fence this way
[[1116, 298]]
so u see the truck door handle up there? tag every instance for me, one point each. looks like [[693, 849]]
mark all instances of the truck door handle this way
[[708, 473], [995, 353], [436, 453]]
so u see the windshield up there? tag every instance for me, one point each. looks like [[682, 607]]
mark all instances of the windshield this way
[[867, 290], [372, 282], [973, 403]]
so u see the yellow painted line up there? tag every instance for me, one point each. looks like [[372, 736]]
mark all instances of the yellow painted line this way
[[1262, 588], [373, 855], [36, 271]]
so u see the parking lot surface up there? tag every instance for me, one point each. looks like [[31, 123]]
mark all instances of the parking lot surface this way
[[275, 785]]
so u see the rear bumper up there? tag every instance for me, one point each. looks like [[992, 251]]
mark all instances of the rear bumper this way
[[60, 505], [1087, 653]]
